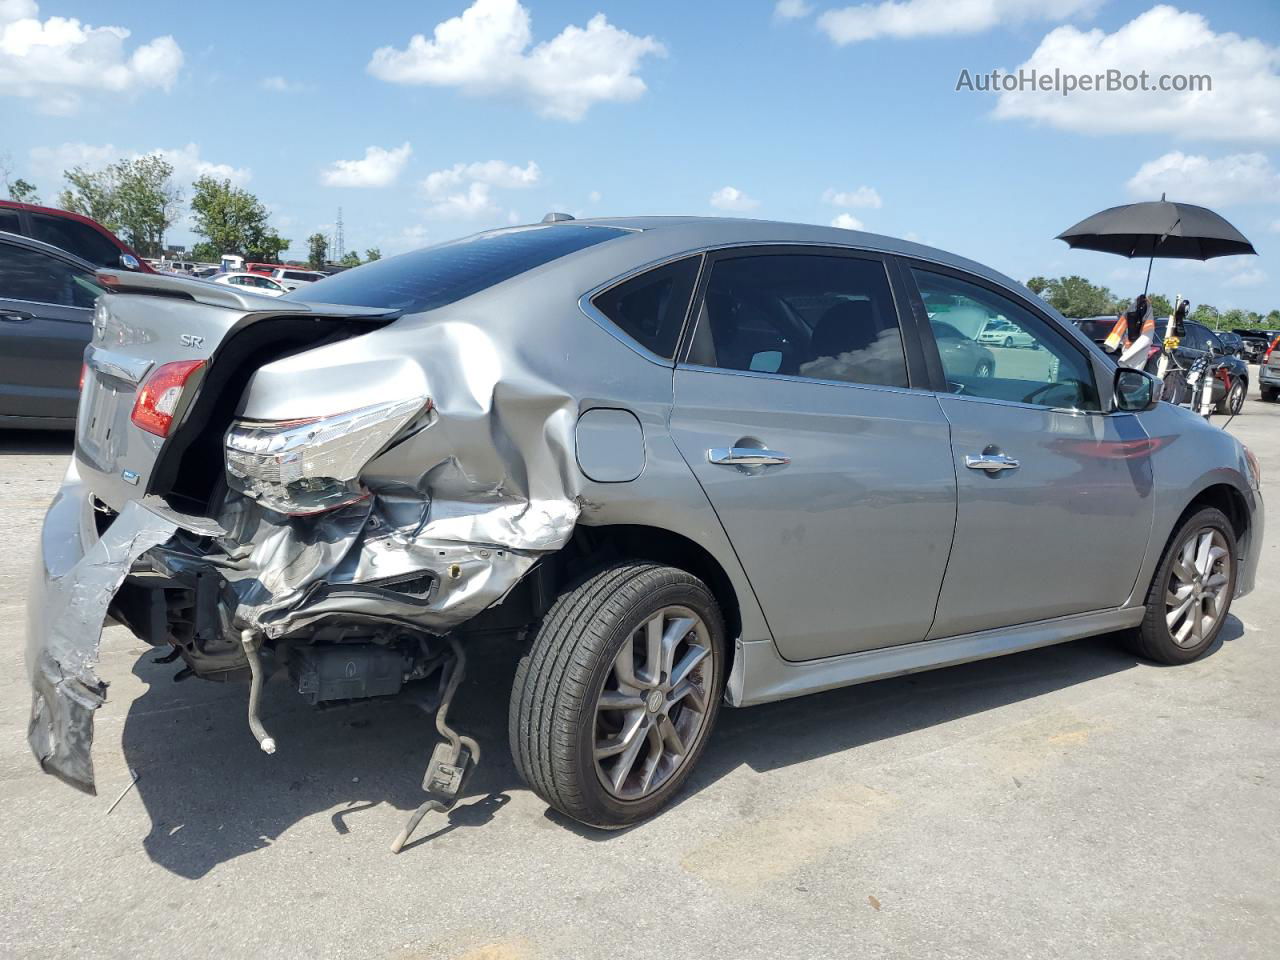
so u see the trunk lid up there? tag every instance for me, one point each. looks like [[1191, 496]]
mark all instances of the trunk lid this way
[[148, 320]]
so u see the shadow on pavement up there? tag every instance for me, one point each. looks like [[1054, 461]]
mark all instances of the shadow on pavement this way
[[213, 796]]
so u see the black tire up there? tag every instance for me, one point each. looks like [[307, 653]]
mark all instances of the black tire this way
[[1153, 639], [1232, 401], [983, 369], [553, 714], [1008, 343], [1269, 394]]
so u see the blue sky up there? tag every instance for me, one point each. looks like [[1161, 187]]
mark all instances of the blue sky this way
[[804, 111]]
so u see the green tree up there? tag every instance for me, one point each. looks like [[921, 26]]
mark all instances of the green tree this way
[[147, 202], [92, 194], [372, 254], [1273, 319], [1206, 314], [1076, 297], [318, 249], [1234, 318], [1160, 305], [232, 220], [23, 191], [1038, 285], [350, 259]]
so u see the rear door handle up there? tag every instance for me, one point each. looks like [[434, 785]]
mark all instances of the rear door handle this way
[[991, 462], [16, 316], [746, 456]]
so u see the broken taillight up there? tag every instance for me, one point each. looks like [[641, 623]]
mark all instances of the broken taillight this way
[[299, 467], [159, 394]]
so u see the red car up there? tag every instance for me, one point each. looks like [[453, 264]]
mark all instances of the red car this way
[[87, 239]]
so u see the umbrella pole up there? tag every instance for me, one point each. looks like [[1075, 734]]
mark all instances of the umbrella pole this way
[[1147, 286]]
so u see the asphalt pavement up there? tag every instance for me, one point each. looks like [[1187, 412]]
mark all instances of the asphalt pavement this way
[[1067, 802]]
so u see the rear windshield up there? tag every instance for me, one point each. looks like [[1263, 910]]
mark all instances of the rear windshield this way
[[301, 275], [441, 275]]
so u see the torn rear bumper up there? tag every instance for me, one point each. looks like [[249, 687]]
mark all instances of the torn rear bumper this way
[[75, 577]]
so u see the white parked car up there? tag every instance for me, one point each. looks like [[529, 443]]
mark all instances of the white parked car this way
[[254, 283], [1000, 332], [296, 278]]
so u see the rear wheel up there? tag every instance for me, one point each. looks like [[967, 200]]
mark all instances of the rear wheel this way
[[1191, 593], [1233, 402], [612, 706]]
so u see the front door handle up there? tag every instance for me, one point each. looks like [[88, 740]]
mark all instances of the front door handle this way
[[991, 462], [16, 316], [746, 456]]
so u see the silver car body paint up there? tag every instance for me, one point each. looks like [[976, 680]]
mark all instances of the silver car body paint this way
[[547, 418]]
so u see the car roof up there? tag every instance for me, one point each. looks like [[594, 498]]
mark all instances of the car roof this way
[[19, 240], [682, 233]]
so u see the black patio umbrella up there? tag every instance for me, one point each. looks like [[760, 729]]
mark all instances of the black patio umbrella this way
[[1171, 231]]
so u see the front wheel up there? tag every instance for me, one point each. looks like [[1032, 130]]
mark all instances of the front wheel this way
[[614, 702], [983, 369], [1191, 592]]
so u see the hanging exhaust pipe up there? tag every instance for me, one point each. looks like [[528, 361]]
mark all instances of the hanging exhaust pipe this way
[[250, 641]]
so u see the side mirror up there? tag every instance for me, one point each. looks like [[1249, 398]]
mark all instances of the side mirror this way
[[1136, 390], [129, 261]]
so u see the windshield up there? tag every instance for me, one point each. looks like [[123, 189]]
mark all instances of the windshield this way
[[441, 275]]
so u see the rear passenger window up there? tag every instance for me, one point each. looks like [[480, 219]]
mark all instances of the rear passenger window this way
[[39, 278], [651, 308], [9, 222], [78, 238], [803, 315]]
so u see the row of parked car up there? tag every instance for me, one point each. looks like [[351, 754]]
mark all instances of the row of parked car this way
[[48, 259], [1230, 352]]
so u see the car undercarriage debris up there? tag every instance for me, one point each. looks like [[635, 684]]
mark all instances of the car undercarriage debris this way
[[452, 759]]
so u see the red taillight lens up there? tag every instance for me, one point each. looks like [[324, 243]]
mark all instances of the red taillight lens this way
[[84, 372], [159, 394]]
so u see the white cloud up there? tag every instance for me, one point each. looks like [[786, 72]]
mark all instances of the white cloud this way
[[919, 18], [791, 9], [594, 196], [379, 168], [865, 197], [1243, 104], [187, 163], [1275, 226], [1253, 277], [409, 238], [731, 198], [55, 62], [486, 51], [847, 221], [279, 84], [465, 190], [494, 173], [1224, 181], [470, 204]]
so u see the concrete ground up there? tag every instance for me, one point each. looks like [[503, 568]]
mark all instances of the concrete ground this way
[[1069, 802]]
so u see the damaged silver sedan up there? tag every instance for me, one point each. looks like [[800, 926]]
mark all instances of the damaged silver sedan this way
[[685, 461]]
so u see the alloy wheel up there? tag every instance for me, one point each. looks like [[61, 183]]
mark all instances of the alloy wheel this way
[[1236, 403], [652, 708], [1196, 598]]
